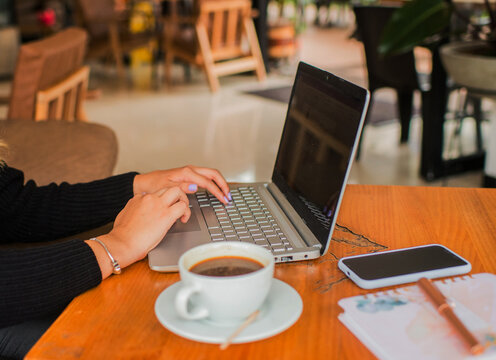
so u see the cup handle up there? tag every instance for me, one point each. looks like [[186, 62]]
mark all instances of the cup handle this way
[[182, 300]]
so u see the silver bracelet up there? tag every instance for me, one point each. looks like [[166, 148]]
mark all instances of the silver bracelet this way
[[116, 267]]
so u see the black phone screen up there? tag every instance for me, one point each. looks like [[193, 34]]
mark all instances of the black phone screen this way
[[403, 262]]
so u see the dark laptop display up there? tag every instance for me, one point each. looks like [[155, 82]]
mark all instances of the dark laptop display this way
[[317, 141]]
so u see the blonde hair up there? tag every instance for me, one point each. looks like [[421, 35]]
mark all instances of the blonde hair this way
[[3, 151]]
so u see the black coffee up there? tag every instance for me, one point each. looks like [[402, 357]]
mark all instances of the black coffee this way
[[226, 266]]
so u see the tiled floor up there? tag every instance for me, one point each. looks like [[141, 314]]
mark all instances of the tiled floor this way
[[161, 127]]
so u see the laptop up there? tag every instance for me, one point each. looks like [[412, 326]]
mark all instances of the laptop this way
[[294, 214]]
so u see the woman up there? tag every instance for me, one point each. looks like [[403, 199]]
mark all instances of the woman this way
[[38, 281]]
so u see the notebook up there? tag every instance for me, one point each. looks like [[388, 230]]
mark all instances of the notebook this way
[[294, 214], [404, 324]]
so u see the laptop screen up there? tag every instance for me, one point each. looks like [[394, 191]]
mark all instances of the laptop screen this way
[[321, 128]]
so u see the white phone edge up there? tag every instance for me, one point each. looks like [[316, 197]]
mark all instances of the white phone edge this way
[[403, 279]]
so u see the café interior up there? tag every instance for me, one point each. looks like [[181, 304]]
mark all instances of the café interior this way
[[153, 118], [93, 88]]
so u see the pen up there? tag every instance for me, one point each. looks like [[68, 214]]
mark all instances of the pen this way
[[445, 309]]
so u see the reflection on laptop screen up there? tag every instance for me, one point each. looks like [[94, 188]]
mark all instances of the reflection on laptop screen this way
[[317, 141]]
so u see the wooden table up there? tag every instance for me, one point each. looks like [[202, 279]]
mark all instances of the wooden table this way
[[116, 320]]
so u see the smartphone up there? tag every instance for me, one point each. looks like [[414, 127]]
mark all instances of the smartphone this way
[[393, 267]]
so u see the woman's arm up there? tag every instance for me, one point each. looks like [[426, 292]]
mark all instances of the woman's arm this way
[[31, 213], [42, 280]]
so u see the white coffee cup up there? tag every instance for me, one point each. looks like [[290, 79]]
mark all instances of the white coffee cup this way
[[223, 299]]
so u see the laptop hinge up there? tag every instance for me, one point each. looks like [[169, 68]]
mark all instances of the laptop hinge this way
[[296, 220]]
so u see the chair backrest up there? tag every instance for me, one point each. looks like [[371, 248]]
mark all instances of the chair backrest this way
[[64, 100], [223, 20], [397, 71], [42, 64], [95, 16]]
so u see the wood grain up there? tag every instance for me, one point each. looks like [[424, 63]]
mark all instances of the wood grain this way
[[116, 320]]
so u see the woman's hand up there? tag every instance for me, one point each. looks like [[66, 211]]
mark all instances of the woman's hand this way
[[188, 178], [140, 226]]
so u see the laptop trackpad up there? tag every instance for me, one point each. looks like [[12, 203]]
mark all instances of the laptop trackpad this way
[[191, 225], [180, 238]]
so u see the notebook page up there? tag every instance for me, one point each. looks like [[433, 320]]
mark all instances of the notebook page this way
[[404, 324]]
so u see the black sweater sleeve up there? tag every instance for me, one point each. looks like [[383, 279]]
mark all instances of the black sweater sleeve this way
[[42, 280], [31, 213]]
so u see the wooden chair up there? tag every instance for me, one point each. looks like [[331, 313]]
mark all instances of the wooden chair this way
[[64, 100], [46, 67], [222, 40], [109, 31]]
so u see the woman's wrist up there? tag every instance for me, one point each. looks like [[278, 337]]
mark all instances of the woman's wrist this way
[[102, 258], [117, 250], [139, 184]]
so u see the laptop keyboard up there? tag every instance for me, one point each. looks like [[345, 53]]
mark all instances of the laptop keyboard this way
[[246, 218]]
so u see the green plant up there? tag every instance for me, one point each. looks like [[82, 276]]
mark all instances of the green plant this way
[[297, 19], [421, 21]]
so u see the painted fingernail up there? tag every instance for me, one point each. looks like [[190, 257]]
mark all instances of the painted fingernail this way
[[229, 196], [226, 199], [193, 187]]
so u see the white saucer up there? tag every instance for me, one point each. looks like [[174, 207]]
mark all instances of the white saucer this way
[[281, 310]]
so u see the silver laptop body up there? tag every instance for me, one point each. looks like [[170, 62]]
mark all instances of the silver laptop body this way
[[293, 215]]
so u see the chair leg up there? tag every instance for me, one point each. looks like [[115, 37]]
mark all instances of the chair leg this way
[[187, 72], [168, 32], [116, 48], [169, 58], [208, 62], [405, 107], [477, 106], [255, 49]]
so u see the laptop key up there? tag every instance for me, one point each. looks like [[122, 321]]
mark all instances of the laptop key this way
[[215, 231], [261, 242], [274, 241]]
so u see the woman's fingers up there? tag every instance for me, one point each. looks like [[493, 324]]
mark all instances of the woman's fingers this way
[[188, 188], [216, 176], [172, 197], [220, 191]]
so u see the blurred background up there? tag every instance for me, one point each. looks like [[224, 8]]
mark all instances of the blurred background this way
[[206, 82]]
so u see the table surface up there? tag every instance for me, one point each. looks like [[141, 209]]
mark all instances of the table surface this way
[[116, 320]]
